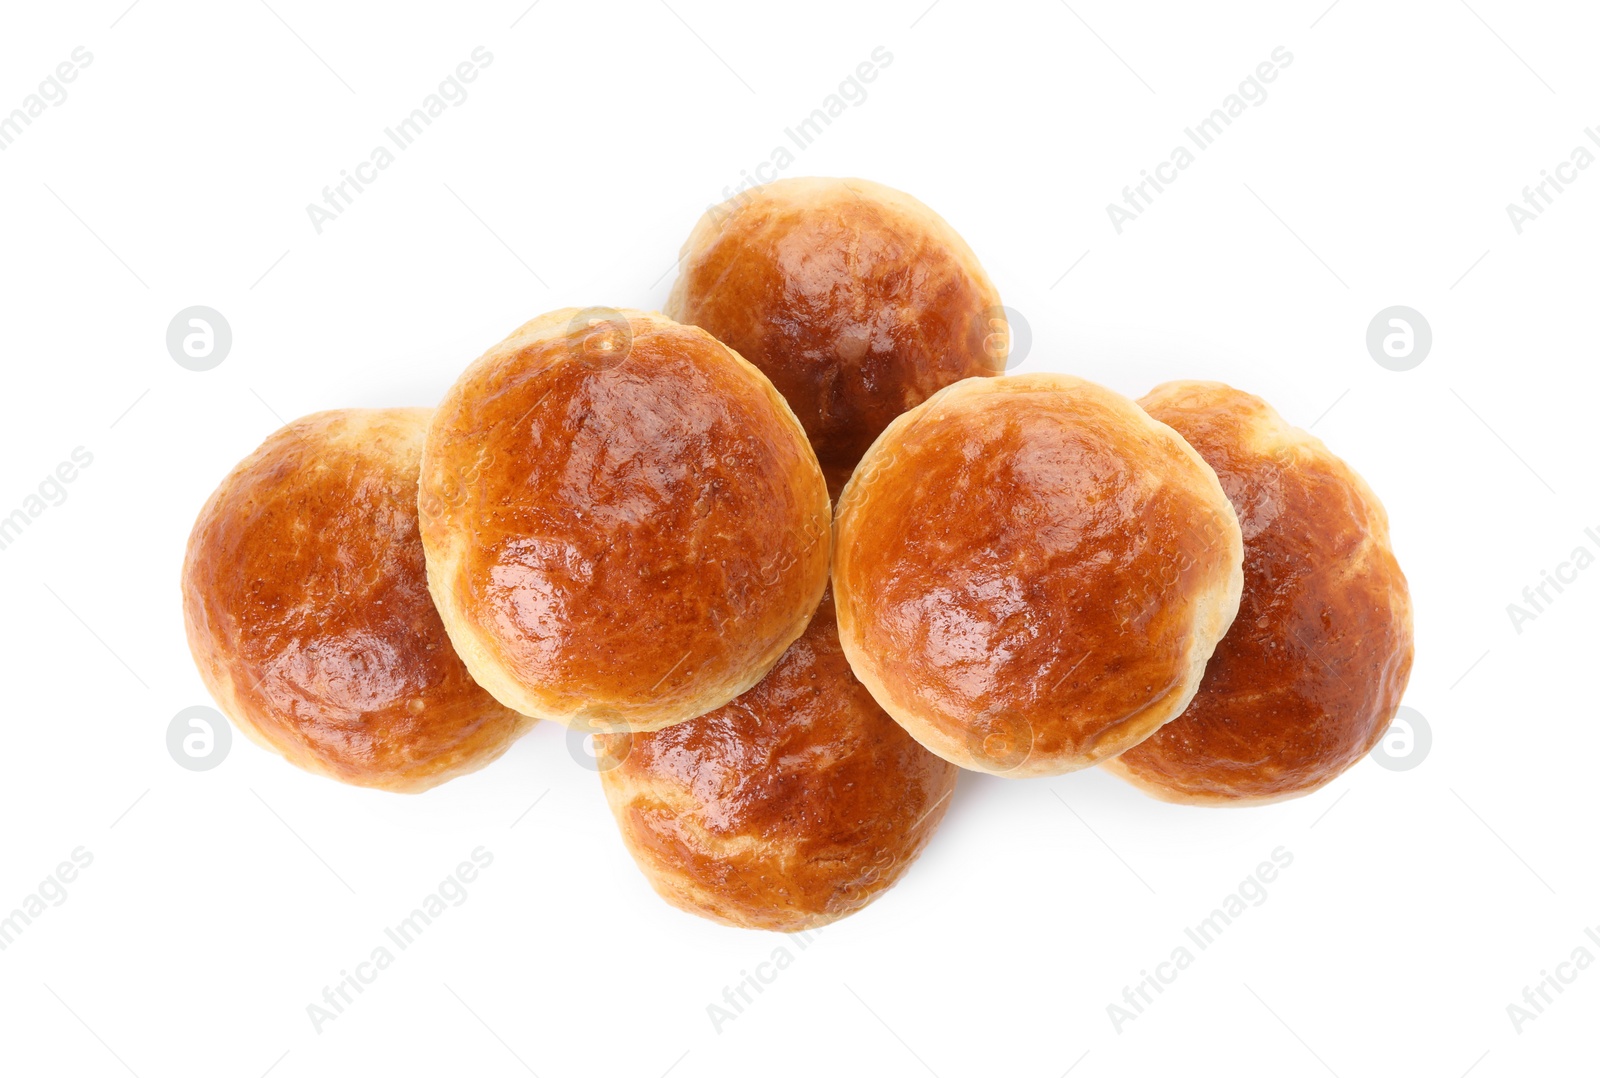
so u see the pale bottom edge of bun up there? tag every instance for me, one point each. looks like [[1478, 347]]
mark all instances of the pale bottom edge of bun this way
[[224, 694], [669, 887], [799, 922], [1173, 796]]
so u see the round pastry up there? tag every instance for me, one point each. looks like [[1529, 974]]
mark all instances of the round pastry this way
[[856, 300], [306, 603], [793, 806], [1311, 674], [625, 527], [1031, 573]]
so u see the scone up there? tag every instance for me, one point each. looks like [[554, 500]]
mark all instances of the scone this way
[[307, 609], [1031, 573], [858, 301], [624, 525], [1311, 674], [796, 804]]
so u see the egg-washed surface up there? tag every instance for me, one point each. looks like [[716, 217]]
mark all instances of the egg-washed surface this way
[[308, 613], [794, 805], [625, 526], [1031, 573], [1312, 672], [858, 301]]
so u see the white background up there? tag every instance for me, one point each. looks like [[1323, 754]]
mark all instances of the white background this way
[[219, 904]]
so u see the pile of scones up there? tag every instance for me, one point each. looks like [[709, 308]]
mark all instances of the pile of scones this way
[[795, 553]]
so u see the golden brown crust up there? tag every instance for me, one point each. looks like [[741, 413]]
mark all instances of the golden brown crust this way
[[796, 804], [1312, 672], [858, 301], [1031, 573], [624, 524], [307, 609]]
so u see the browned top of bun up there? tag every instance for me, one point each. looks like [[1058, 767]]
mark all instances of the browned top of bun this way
[[1312, 672], [307, 608], [857, 300], [1031, 572], [792, 806], [624, 522]]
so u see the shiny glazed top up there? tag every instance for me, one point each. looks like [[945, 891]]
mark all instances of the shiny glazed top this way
[[790, 807], [307, 608], [624, 516], [1030, 570], [1312, 672], [857, 300]]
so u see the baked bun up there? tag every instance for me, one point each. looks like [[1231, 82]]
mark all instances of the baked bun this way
[[796, 804], [856, 300], [625, 527], [307, 610], [1311, 674], [1031, 573]]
